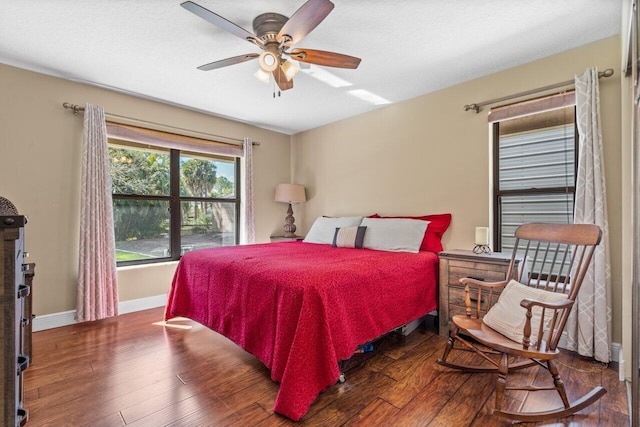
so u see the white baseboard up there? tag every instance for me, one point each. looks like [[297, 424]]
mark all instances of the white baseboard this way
[[65, 318], [130, 306], [616, 348], [53, 320], [616, 353]]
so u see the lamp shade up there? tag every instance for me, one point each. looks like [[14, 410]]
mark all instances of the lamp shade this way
[[290, 193]]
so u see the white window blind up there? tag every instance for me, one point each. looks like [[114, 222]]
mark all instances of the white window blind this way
[[542, 158], [535, 179]]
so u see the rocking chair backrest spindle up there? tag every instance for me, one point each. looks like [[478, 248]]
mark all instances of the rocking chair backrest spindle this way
[[556, 258]]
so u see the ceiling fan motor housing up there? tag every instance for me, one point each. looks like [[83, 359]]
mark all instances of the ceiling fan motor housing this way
[[267, 26]]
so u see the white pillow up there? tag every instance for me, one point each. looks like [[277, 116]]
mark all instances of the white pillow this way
[[507, 316], [394, 234], [324, 228]]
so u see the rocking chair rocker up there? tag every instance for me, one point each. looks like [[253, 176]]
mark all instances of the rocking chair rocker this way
[[555, 260]]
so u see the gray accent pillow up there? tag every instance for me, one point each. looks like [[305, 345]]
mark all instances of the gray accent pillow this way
[[349, 237]]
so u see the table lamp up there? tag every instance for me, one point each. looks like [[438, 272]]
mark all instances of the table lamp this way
[[290, 193]]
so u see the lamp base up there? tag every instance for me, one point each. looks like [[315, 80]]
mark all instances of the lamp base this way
[[289, 226]]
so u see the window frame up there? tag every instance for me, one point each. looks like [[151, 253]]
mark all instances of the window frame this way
[[175, 199], [498, 194]]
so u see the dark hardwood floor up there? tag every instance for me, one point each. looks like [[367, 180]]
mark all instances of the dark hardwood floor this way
[[127, 371]]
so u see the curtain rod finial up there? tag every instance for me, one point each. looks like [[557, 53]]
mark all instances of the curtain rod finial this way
[[473, 107], [73, 107], [606, 73]]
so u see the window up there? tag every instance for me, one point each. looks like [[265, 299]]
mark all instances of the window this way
[[534, 171], [167, 202]]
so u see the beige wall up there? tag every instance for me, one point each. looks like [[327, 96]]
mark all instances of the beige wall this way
[[427, 155], [40, 158]]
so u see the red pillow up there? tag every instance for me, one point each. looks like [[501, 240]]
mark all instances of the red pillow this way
[[438, 224]]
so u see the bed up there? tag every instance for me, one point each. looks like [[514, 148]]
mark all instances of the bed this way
[[301, 307]]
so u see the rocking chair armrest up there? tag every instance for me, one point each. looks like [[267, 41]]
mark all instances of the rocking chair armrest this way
[[475, 282], [564, 304], [479, 286], [529, 303]]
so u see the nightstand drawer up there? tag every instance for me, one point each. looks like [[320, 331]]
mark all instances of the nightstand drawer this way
[[457, 310], [486, 272], [456, 296], [456, 301]]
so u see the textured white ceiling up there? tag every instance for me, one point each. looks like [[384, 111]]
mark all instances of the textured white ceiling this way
[[151, 48]]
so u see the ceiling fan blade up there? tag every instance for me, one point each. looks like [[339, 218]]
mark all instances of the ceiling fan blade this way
[[229, 61], [281, 79], [321, 57], [221, 22], [304, 20]]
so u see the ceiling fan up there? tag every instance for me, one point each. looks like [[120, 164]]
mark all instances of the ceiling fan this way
[[275, 34]]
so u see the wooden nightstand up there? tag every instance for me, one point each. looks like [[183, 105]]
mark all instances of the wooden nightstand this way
[[285, 239], [456, 264]]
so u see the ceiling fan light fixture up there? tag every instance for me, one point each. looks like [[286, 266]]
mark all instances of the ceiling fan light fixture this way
[[262, 75], [289, 69], [268, 61]]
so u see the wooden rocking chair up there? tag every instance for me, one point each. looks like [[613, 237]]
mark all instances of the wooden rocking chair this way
[[555, 259]]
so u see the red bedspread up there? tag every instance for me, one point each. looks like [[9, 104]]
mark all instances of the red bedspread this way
[[302, 307]]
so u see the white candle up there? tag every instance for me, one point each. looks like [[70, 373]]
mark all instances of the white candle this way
[[482, 236]]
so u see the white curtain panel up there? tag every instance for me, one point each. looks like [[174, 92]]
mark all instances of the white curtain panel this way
[[589, 326], [97, 281], [249, 230]]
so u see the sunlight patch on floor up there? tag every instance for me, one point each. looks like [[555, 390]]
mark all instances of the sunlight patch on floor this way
[[170, 323]]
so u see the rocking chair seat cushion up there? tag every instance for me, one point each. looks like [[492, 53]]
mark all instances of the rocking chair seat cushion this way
[[508, 317]]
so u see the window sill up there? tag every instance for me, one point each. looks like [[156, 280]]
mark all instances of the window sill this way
[[151, 265]]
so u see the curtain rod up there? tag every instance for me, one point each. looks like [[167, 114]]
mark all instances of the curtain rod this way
[[476, 106], [77, 109]]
